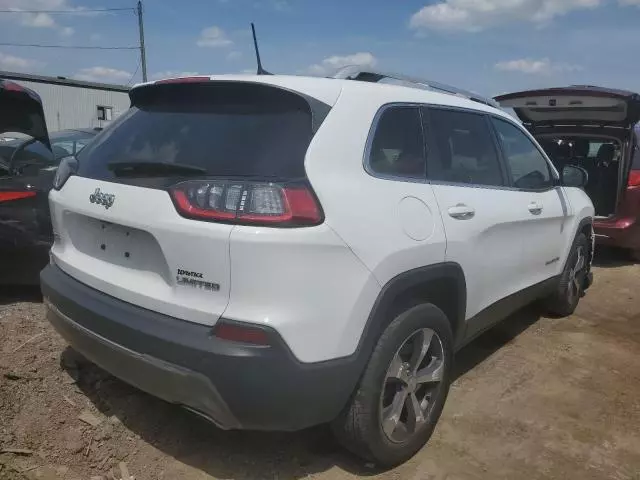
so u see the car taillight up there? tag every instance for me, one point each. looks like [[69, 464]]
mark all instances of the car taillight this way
[[8, 196], [13, 87], [634, 178], [252, 203]]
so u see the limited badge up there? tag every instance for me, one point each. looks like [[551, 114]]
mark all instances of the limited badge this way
[[192, 279]]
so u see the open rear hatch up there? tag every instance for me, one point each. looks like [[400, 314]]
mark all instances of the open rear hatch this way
[[148, 214], [575, 105], [584, 125], [21, 111]]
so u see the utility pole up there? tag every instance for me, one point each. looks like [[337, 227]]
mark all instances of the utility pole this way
[[143, 54]]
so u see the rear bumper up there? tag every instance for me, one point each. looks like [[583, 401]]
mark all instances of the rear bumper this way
[[618, 232], [236, 386]]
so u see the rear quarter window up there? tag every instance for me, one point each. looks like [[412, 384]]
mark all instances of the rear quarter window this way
[[397, 147]]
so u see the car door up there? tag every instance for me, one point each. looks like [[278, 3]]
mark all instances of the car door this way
[[535, 184], [25, 180], [482, 214], [25, 225]]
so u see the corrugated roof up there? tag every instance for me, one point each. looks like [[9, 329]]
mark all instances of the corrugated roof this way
[[63, 81]]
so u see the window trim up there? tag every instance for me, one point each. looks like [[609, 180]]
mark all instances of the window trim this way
[[488, 116], [553, 174], [503, 170], [366, 161]]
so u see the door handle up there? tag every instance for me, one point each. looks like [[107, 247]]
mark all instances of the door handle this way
[[535, 208], [461, 212]]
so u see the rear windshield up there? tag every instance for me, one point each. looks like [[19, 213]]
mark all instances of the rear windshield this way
[[227, 129]]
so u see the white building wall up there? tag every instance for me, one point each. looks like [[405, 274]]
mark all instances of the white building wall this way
[[76, 107]]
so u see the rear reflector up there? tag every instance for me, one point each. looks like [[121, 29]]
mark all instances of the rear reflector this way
[[10, 196], [252, 203], [241, 334], [634, 178]]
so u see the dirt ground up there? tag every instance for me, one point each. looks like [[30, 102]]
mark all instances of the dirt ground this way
[[534, 398]]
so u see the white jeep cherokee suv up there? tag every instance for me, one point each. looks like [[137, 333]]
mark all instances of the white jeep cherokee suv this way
[[276, 252]]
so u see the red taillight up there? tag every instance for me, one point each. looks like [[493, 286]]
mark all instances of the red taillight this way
[[247, 203], [13, 87], [188, 208], [9, 196], [241, 334], [634, 178]]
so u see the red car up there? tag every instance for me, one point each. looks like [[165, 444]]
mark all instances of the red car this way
[[596, 129]]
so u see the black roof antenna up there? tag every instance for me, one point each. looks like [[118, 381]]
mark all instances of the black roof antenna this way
[[261, 71]]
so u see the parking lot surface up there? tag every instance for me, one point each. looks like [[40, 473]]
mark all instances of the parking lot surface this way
[[534, 398]]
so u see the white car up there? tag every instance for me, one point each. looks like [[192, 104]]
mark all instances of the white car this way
[[276, 252]]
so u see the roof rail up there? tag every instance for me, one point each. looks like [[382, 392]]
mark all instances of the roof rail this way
[[366, 75]]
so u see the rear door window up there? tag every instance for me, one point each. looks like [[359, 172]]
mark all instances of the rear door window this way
[[397, 149], [227, 129], [466, 149]]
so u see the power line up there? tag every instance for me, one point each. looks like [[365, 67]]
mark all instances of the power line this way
[[138, 11], [76, 12], [134, 73], [75, 47]]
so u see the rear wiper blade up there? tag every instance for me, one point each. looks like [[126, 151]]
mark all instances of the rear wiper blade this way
[[123, 169]]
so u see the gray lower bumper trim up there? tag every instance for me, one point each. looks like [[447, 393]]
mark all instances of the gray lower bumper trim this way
[[169, 382]]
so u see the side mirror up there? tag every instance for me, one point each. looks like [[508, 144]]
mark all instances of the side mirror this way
[[574, 176]]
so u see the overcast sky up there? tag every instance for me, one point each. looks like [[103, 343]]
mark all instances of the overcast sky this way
[[490, 46]]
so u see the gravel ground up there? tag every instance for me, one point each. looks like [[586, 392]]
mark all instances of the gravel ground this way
[[534, 398]]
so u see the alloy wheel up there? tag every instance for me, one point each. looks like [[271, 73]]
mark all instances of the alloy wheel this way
[[575, 276], [412, 379]]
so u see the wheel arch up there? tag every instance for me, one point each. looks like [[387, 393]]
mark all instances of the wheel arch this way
[[442, 285], [584, 226]]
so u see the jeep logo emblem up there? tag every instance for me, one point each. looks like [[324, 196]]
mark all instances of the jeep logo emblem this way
[[100, 198]]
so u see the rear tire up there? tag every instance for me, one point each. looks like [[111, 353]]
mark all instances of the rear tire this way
[[565, 299], [400, 397]]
